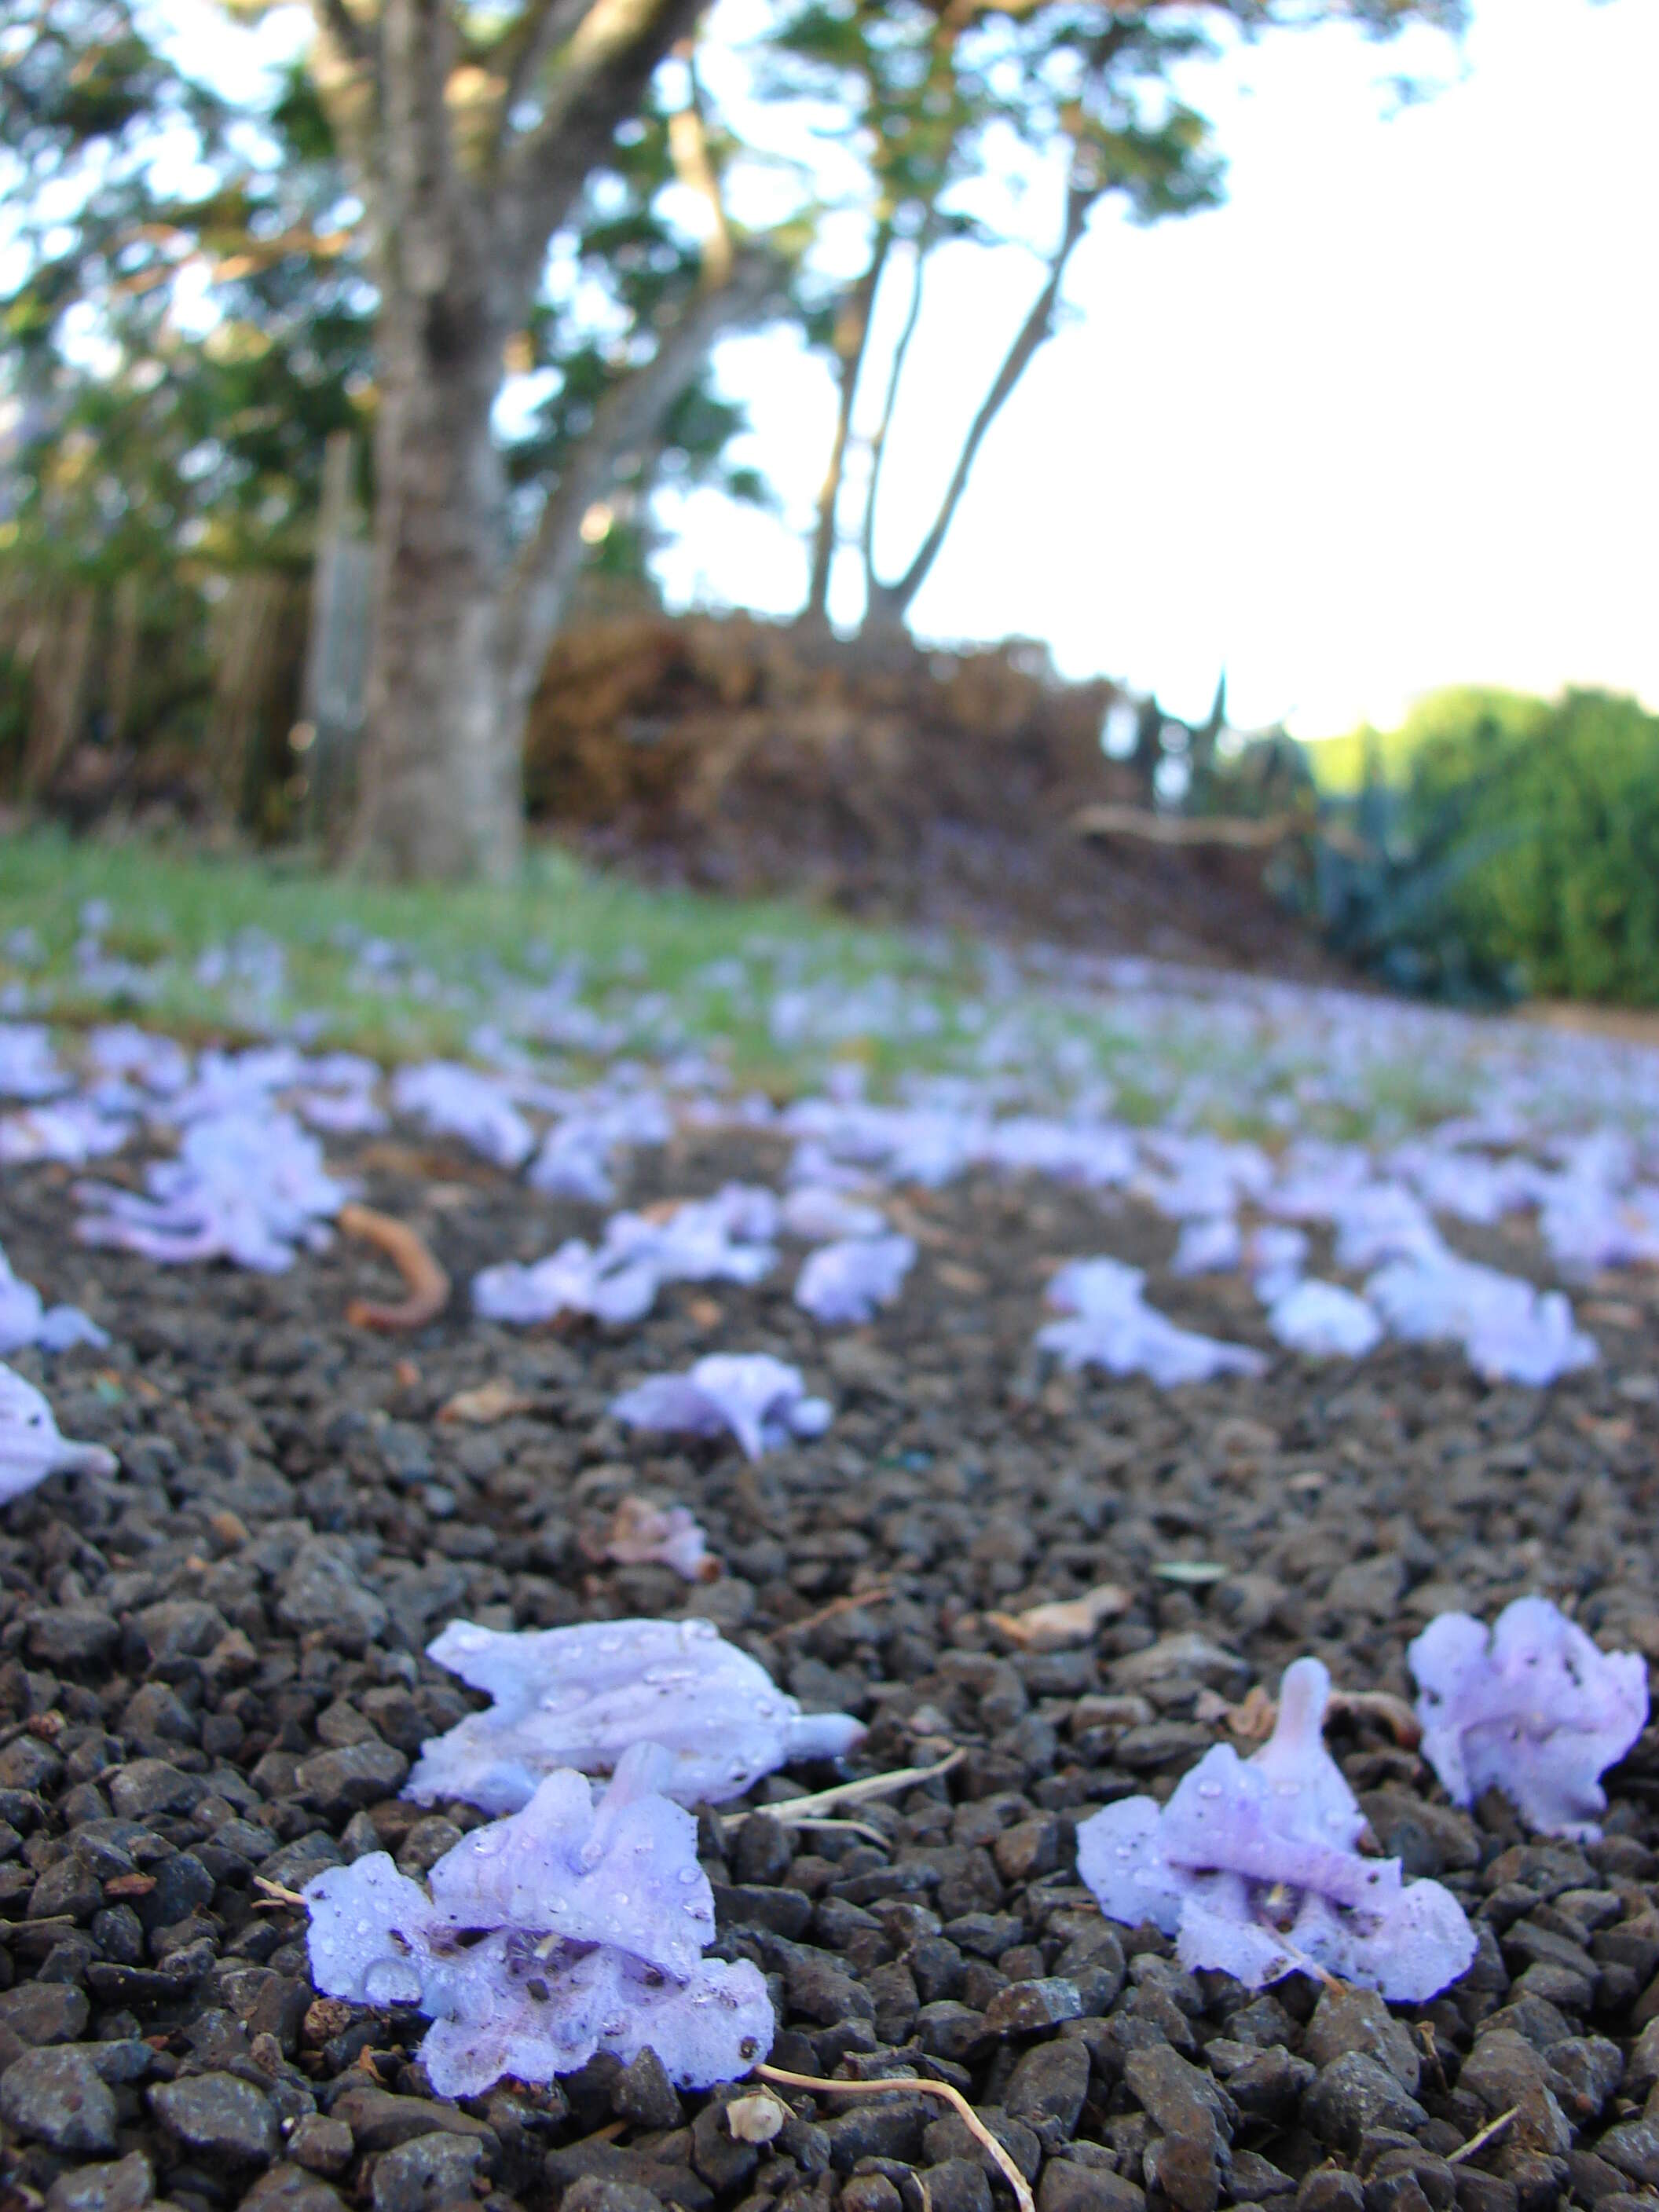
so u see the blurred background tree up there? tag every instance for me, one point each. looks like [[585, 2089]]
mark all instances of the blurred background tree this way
[[501, 242]]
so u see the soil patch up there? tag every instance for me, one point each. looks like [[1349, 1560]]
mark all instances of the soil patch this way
[[932, 788]]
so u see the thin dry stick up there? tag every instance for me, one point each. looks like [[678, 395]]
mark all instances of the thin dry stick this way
[[1480, 2141], [792, 1811], [276, 1895], [905, 2086], [428, 1284], [836, 1606]]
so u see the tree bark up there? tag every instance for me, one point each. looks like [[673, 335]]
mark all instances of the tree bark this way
[[441, 793]]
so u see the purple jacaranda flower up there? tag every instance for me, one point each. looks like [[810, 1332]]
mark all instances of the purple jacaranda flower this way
[[578, 1697], [30, 1447], [761, 1400], [578, 1925], [1253, 1867], [1531, 1707]]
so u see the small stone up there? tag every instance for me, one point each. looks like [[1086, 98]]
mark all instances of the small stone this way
[[219, 2115], [1358, 2019], [1352, 2093], [957, 2185], [1330, 2189], [1633, 2148], [72, 1635], [605, 2192], [180, 1628], [58, 2098], [145, 1786], [1181, 2099], [379, 2120], [947, 2029], [1046, 2089], [289, 2188], [1069, 2187], [724, 2161], [870, 2192], [126, 2185], [1479, 2191], [44, 2012], [321, 2145], [1030, 2007], [355, 1775], [1187, 2170], [323, 1591], [643, 2093], [425, 2172], [1028, 1850]]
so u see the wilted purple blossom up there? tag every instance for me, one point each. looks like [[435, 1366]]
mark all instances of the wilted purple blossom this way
[[1532, 1707], [1111, 1326], [576, 1926], [26, 1318], [726, 1237], [818, 1213], [30, 1447], [28, 1066], [1324, 1321], [845, 1282], [1252, 1867], [761, 1400], [70, 1130], [578, 1697], [1511, 1331], [456, 1100], [1209, 1244], [245, 1187]]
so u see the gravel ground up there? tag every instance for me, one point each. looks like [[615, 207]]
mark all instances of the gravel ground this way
[[210, 1668]]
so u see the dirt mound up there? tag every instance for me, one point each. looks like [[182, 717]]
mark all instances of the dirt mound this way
[[930, 788]]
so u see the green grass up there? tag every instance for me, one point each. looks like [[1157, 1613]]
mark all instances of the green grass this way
[[169, 907]]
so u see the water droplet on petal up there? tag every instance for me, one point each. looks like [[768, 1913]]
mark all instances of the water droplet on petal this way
[[391, 1982], [1209, 1789]]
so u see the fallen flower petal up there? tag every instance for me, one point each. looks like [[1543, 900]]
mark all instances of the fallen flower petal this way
[[1532, 1707], [578, 1697], [31, 1448], [1252, 1866]]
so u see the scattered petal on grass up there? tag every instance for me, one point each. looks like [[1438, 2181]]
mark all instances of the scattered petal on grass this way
[[846, 1282], [1532, 1707]]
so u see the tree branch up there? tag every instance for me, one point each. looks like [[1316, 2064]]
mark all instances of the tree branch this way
[[607, 66], [889, 602], [687, 147], [626, 417], [852, 337], [889, 399]]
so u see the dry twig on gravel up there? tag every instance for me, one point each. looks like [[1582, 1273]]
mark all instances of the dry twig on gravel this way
[[905, 2085], [429, 1282]]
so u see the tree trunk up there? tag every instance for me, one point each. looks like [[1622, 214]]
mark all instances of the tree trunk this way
[[441, 790]]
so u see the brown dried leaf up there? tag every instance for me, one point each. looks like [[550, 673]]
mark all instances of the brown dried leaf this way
[[491, 1402], [1067, 1621]]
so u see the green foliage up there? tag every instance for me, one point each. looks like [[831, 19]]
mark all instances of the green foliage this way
[[1563, 799], [1513, 848]]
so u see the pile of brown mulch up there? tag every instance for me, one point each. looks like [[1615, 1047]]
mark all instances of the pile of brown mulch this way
[[931, 788]]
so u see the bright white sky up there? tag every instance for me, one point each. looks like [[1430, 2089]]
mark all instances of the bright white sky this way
[[1388, 420]]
